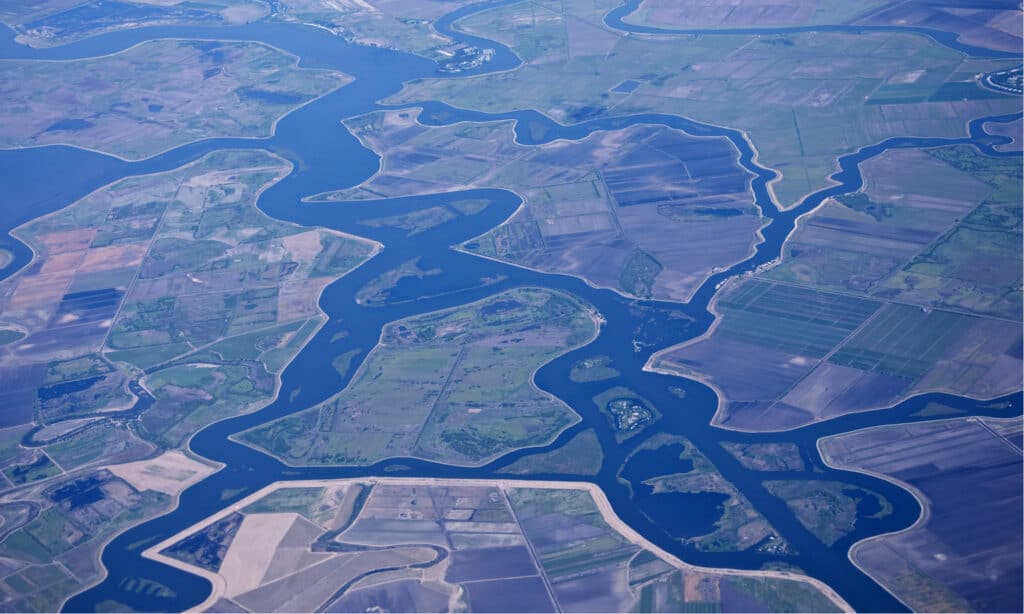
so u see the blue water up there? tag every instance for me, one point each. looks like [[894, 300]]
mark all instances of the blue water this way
[[327, 157]]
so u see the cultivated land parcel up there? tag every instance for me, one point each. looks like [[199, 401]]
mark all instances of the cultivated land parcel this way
[[423, 545], [911, 285], [453, 386], [647, 210], [163, 303], [181, 91], [168, 295], [803, 98], [965, 551], [993, 25]]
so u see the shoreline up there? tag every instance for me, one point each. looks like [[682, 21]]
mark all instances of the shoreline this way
[[600, 500]]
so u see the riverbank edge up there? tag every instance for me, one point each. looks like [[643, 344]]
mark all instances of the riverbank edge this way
[[597, 495]]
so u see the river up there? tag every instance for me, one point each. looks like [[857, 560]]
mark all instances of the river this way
[[327, 157]]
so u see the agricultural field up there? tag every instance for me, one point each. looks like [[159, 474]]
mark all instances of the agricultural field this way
[[804, 99], [56, 22], [669, 476], [910, 285], [993, 25], [181, 91], [440, 545], [175, 278], [647, 210], [455, 386], [53, 534], [406, 25], [948, 561], [581, 455], [939, 228], [694, 14]]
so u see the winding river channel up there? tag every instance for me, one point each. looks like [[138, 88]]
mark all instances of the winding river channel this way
[[327, 157]]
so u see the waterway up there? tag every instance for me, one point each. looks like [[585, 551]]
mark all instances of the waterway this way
[[327, 157]]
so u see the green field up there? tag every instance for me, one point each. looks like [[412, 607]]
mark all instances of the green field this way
[[454, 386], [180, 91], [63, 542], [205, 293], [817, 106], [911, 284], [490, 542]]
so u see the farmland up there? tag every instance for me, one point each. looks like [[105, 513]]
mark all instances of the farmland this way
[[454, 386], [394, 24], [243, 89], [45, 24], [992, 26], [906, 286], [470, 545], [693, 14], [804, 99], [948, 560], [646, 210], [54, 535], [177, 275], [173, 280]]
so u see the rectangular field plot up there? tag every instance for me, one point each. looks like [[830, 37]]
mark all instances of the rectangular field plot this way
[[451, 545], [791, 319], [454, 385], [902, 341], [646, 209], [855, 242], [785, 355], [967, 555]]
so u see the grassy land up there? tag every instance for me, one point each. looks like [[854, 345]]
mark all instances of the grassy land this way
[[178, 267], [965, 471], [181, 91], [827, 509], [652, 229], [821, 102], [56, 552], [593, 369], [912, 284], [453, 386], [581, 455], [177, 275], [47, 24], [757, 14]]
